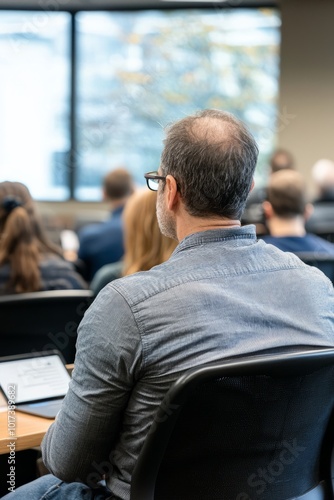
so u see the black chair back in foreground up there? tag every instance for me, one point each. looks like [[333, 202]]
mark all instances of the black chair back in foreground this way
[[322, 261], [255, 428], [42, 321]]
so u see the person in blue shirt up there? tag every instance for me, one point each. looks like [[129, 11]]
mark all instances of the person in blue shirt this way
[[286, 211], [222, 293], [102, 243]]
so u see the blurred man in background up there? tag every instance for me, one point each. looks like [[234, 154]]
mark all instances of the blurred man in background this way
[[281, 159], [323, 176], [322, 220], [102, 243], [286, 210]]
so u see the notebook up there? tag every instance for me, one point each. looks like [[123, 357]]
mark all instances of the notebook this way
[[36, 382]]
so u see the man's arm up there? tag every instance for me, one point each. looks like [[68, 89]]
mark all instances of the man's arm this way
[[107, 363]]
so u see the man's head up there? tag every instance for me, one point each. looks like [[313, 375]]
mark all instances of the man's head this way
[[212, 157], [281, 160], [323, 176], [286, 195], [117, 185]]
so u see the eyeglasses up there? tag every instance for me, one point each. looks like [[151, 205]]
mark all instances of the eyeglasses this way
[[152, 180]]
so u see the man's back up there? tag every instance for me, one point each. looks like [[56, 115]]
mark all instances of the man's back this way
[[102, 244], [306, 243], [221, 294]]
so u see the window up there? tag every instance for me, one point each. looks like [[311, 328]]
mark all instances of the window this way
[[34, 101], [136, 71]]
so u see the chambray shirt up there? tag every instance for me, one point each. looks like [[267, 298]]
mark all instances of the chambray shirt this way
[[221, 294]]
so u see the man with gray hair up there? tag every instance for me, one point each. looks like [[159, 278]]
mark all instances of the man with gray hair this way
[[221, 294], [323, 176], [321, 221], [286, 210]]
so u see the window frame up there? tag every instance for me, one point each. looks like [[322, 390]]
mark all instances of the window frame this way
[[100, 7]]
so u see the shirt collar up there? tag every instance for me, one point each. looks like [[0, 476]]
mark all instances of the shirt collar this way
[[214, 235]]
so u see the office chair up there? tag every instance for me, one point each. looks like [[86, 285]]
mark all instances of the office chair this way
[[322, 261], [255, 428], [42, 321]]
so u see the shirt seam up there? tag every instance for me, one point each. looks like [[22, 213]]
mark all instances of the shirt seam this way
[[210, 276], [132, 309]]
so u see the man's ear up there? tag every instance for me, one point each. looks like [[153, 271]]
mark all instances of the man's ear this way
[[309, 209], [171, 192], [267, 209], [252, 185]]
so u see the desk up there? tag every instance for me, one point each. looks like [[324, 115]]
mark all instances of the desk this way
[[29, 431]]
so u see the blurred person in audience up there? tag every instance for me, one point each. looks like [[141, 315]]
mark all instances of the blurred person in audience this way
[[29, 262], [323, 176], [281, 159], [145, 246], [286, 210], [101, 244], [214, 298], [321, 221]]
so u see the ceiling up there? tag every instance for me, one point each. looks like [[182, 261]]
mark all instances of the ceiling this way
[[73, 5]]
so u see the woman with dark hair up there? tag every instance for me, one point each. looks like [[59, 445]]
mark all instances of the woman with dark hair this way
[[29, 262]]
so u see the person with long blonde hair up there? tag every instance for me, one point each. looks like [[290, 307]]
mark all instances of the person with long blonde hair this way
[[145, 246], [29, 261]]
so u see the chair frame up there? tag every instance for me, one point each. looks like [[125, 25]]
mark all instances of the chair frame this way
[[151, 456]]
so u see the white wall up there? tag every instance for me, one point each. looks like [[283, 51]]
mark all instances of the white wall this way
[[307, 81]]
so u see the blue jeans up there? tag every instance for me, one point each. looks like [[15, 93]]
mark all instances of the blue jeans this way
[[50, 488]]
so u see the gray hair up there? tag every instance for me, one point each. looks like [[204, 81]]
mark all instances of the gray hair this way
[[212, 157]]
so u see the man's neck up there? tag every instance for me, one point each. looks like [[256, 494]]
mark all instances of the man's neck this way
[[286, 227]]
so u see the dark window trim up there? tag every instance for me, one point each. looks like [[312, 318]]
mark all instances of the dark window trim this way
[[72, 157], [158, 5]]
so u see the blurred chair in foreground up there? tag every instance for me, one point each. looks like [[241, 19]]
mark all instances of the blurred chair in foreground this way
[[259, 427], [145, 246], [42, 321]]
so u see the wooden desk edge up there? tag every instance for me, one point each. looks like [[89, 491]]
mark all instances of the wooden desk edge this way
[[29, 431]]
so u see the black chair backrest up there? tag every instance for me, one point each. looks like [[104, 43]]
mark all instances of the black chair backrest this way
[[42, 321], [250, 428], [322, 261], [321, 221]]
